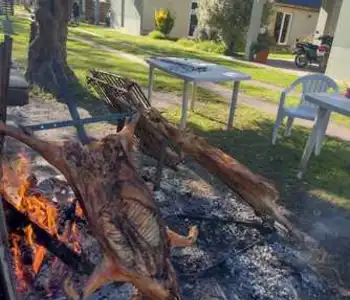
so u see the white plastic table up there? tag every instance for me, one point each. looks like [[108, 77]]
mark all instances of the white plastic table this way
[[194, 70], [327, 104]]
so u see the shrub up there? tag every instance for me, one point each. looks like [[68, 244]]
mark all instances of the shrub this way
[[229, 18], [164, 20], [208, 46], [211, 46], [207, 34], [187, 43], [157, 35]]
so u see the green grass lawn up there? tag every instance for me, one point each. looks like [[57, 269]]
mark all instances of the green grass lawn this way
[[144, 46], [328, 174]]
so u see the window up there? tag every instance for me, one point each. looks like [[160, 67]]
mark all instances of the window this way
[[282, 27], [193, 17], [194, 5]]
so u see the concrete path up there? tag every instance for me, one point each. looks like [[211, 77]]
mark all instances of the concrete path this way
[[334, 130], [281, 65], [161, 100]]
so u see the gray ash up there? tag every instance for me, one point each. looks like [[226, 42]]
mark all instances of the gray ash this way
[[236, 257]]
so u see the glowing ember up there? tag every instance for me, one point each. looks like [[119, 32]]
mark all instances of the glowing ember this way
[[18, 184], [17, 262], [79, 211]]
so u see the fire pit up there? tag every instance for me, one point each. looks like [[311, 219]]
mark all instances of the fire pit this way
[[235, 257]]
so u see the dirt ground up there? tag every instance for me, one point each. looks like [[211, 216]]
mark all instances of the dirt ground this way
[[328, 229]]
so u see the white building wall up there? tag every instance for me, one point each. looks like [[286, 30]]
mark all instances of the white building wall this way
[[127, 15], [339, 60], [180, 9], [303, 23]]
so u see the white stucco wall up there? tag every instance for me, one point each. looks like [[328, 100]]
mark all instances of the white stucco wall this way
[[333, 16], [303, 23], [339, 60], [127, 15], [116, 13], [181, 9], [133, 16]]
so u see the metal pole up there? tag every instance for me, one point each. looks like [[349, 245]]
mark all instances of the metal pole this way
[[6, 274], [184, 106], [97, 12], [233, 105], [150, 83], [194, 95]]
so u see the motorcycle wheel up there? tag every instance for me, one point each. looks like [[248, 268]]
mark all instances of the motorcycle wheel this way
[[301, 60]]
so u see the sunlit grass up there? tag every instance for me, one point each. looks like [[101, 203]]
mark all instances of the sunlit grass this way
[[145, 46], [249, 141]]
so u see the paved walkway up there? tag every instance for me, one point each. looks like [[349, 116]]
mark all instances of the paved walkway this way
[[281, 65], [161, 100]]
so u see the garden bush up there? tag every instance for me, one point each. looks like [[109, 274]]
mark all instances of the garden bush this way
[[230, 19], [157, 35], [208, 46], [164, 20]]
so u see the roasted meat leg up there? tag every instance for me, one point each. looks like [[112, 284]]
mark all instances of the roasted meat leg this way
[[120, 211]]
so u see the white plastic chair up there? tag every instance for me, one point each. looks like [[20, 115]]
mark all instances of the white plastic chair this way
[[315, 83]]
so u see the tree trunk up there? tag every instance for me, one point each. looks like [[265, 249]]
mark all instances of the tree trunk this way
[[47, 53]]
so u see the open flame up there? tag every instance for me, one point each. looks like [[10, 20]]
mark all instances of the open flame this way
[[19, 185]]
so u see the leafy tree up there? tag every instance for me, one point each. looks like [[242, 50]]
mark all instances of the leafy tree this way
[[229, 18]]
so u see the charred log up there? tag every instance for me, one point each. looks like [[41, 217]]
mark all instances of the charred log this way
[[120, 211], [257, 191]]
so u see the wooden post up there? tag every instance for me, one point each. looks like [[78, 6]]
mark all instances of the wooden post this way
[[6, 275]]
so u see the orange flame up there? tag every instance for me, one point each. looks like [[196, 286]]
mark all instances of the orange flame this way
[[40, 211], [16, 256], [79, 211]]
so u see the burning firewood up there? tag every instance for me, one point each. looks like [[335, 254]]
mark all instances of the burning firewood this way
[[19, 219], [120, 211], [37, 237]]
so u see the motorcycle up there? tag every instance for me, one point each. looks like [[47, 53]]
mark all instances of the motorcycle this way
[[307, 53]]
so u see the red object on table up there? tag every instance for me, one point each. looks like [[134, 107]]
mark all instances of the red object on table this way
[[347, 94]]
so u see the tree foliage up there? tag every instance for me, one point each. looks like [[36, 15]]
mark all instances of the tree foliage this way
[[229, 19]]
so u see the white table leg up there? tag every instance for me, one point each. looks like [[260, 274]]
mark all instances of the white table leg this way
[[150, 83], [194, 95], [321, 134], [322, 116], [233, 104], [184, 106]]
